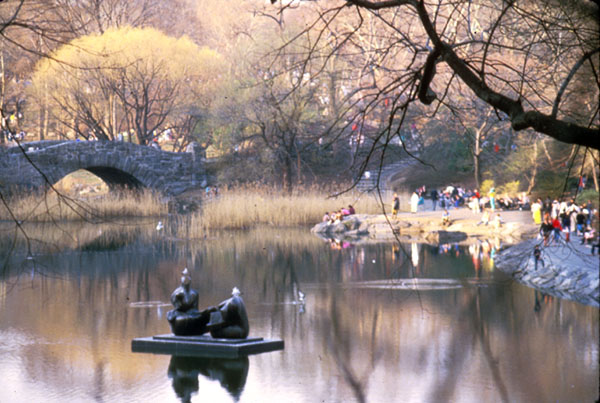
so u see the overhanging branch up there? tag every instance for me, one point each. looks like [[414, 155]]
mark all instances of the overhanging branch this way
[[520, 119], [565, 83], [379, 5]]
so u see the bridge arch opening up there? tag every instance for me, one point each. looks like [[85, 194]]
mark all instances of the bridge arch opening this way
[[97, 180], [115, 178]]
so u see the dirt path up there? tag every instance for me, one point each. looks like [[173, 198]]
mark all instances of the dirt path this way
[[463, 214]]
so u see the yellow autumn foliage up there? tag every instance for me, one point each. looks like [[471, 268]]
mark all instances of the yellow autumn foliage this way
[[86, 75]]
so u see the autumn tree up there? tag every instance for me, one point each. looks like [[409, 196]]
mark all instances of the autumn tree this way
[[126, 79]]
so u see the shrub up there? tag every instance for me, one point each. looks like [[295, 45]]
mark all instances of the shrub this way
[[486, 185], [510, 188], [588, 194]]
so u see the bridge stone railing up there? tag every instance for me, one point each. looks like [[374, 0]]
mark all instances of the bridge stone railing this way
[[35, 164]]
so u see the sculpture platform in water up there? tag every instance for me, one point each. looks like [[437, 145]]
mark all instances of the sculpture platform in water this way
[[227, 321]]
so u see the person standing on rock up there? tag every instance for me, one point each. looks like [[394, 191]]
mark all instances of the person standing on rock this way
[[395, 205], [414, 202], [565, 223], [492, 196], [546, 229], [572, 211], [537, 256], [580, 219], [536, 212], [434, 199], [556, 224]]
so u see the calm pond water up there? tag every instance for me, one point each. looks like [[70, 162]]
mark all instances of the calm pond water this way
[[380, 323]]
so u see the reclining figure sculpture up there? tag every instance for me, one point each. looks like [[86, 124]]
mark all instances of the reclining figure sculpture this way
[[228, 320]]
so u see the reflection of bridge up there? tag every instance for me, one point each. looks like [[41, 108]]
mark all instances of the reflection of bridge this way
[[116, 163]]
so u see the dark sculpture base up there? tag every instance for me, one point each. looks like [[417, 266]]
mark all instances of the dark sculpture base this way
[[204, 346]]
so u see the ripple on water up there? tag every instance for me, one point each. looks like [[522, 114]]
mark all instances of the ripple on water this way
[[148, 304]]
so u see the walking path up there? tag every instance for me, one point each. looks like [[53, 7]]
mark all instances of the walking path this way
[[387, 177]]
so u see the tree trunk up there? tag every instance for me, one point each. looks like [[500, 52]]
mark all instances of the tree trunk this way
[[298, 167], [476, 153], [593, 166], [287, 173], [477, 173], [43, 123], [2, 90], [535, 166]]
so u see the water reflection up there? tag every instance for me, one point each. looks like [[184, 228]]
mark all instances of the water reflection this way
[[456, 330], [184, 372], [414, 254], [541, 299]]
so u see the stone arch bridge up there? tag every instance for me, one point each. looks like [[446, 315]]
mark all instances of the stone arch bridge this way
[[35, 165]]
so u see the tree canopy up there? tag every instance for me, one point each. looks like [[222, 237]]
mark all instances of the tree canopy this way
[[534, 62], [295, 88], [126, 79]]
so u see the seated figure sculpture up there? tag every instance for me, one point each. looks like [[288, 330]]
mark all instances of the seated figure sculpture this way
[[186, 319], [230, 320]]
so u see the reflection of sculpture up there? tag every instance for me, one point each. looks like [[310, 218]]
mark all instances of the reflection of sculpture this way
[[185, 319], [231, 374], [230, 320]]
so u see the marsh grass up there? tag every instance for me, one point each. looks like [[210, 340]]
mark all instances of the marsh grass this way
[[53, 207], [245, 207], [241, 207]]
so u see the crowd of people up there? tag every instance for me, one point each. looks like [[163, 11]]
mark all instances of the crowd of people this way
[[557, 217], [456, 196], [337, 216], [211, 192]]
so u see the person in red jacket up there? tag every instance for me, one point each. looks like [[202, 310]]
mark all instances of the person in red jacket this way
[[557, 228]]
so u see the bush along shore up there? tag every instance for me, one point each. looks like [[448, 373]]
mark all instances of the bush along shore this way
[[566, 270]]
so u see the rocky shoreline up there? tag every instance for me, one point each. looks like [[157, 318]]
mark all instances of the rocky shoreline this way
[[568, 270], [565, 270], [427, 227]]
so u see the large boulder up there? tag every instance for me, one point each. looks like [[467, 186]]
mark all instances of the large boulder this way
[[442, 237], [348, 224]]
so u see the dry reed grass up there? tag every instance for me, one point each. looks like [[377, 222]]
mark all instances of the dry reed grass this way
[[54, 207], [236, 208], [245, 207]]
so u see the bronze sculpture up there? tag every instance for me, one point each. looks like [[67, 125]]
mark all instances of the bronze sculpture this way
[[227, 321], [230, 320], [186, 319]]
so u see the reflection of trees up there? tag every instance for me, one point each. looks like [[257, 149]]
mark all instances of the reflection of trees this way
[[446, 344], [472, 326], [340, 344]]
